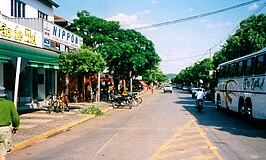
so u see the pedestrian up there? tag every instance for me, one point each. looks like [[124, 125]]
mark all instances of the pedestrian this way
[[8, 118], [89, 91], [110, 92]]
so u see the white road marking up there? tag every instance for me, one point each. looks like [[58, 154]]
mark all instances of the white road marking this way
[[105, 145], [131, 119]]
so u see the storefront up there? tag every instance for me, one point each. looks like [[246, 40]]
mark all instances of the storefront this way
[[26, 70]]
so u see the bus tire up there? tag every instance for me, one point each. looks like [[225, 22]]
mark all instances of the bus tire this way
[[241, 109], [218, 103], [248, 108]]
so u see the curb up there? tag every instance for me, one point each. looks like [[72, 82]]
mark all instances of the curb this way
[[60, 129]]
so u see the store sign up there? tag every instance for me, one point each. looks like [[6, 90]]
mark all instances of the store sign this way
[[61, 35], [46, 42], [18, 33]]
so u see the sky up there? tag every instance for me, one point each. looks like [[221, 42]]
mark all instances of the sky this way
[[180, 44]]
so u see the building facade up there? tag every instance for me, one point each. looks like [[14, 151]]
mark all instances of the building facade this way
[[30, 44]]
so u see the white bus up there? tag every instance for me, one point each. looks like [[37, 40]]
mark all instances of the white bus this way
[[242, 85]]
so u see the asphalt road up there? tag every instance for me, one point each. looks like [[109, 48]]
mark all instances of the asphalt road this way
[[164, 126]]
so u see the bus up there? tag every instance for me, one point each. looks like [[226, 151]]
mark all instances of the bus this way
[[241, 85]]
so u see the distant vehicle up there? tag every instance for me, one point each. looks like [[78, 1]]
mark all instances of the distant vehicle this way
[[195, 90], [192, 88], [168, 88], [241, 85], [185, 88], [209, 95]]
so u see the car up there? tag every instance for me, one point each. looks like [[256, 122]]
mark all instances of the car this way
[[167, 88], [191, 89], [195, 90], [185, 88]]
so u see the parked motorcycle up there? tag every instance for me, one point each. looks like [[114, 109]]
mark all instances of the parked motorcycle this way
[[121, 102], [55, 104], [199, 104], [137, 99]]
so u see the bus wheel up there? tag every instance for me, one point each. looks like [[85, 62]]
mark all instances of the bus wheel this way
[[241, 110], [218, 103], [248, 108]]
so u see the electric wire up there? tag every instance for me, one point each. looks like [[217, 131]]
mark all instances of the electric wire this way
[[194, 17], [235, 28], [221, 41]]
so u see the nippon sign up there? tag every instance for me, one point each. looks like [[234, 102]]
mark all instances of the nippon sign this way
[[58, 34], [18, 33]]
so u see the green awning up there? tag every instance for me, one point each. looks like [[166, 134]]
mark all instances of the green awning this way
[[39, 65], [4, 59], [42, 56]]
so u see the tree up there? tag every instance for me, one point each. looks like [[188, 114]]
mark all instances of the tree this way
[[249, 38], [125, 51], [80, 63], [155, 75]]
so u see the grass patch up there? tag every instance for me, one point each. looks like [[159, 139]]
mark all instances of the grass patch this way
[[91, 110]]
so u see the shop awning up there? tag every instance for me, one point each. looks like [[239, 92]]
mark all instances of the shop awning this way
[[35, 55]]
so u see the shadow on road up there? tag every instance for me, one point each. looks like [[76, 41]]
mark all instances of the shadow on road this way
[[225, 121]]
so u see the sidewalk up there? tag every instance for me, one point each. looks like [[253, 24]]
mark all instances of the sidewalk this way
[[37, 125]]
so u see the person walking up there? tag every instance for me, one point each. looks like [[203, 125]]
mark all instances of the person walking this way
[[8, 118]]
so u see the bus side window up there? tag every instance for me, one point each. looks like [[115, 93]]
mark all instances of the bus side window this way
[[232, 70], [239, 68], [221, 72], [260, 64], [249, 66], [224, 72], [228, 70]]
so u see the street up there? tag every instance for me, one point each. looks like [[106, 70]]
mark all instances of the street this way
[[164, 126]]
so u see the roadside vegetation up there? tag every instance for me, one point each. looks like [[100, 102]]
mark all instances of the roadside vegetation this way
[[125, 53], [249, 38], [91, 110]]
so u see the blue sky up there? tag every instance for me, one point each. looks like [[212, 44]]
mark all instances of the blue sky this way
[[179, 45]]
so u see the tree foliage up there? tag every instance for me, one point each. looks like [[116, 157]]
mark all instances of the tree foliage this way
[[124, 51], [192, 74], [81, 62], [249, 38], [155, 76]]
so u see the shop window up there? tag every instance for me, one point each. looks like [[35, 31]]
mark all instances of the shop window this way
[[18, 8], [42, 15]]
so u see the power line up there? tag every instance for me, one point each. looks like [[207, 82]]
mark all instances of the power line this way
[[194, 17], [235, 28], [185, 57]]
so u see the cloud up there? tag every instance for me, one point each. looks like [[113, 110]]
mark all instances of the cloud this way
[[215, 26], [124, 19], [154, 1], [130, 21], [190, 9], [253, 7], [147, 11]]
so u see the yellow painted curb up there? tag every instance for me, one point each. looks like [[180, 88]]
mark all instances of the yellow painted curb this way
[[29, 142]]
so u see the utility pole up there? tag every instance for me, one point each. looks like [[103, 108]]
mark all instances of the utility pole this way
[[210, 53], [131, 87], [98, 88]]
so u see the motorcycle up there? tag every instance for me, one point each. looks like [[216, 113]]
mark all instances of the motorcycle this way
[[136, 99], [199, 104], [121, 102]]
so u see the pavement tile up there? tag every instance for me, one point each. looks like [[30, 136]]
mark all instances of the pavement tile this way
[[36, 124]]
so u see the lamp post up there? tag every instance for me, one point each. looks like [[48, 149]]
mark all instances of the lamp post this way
[[98, 94]]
